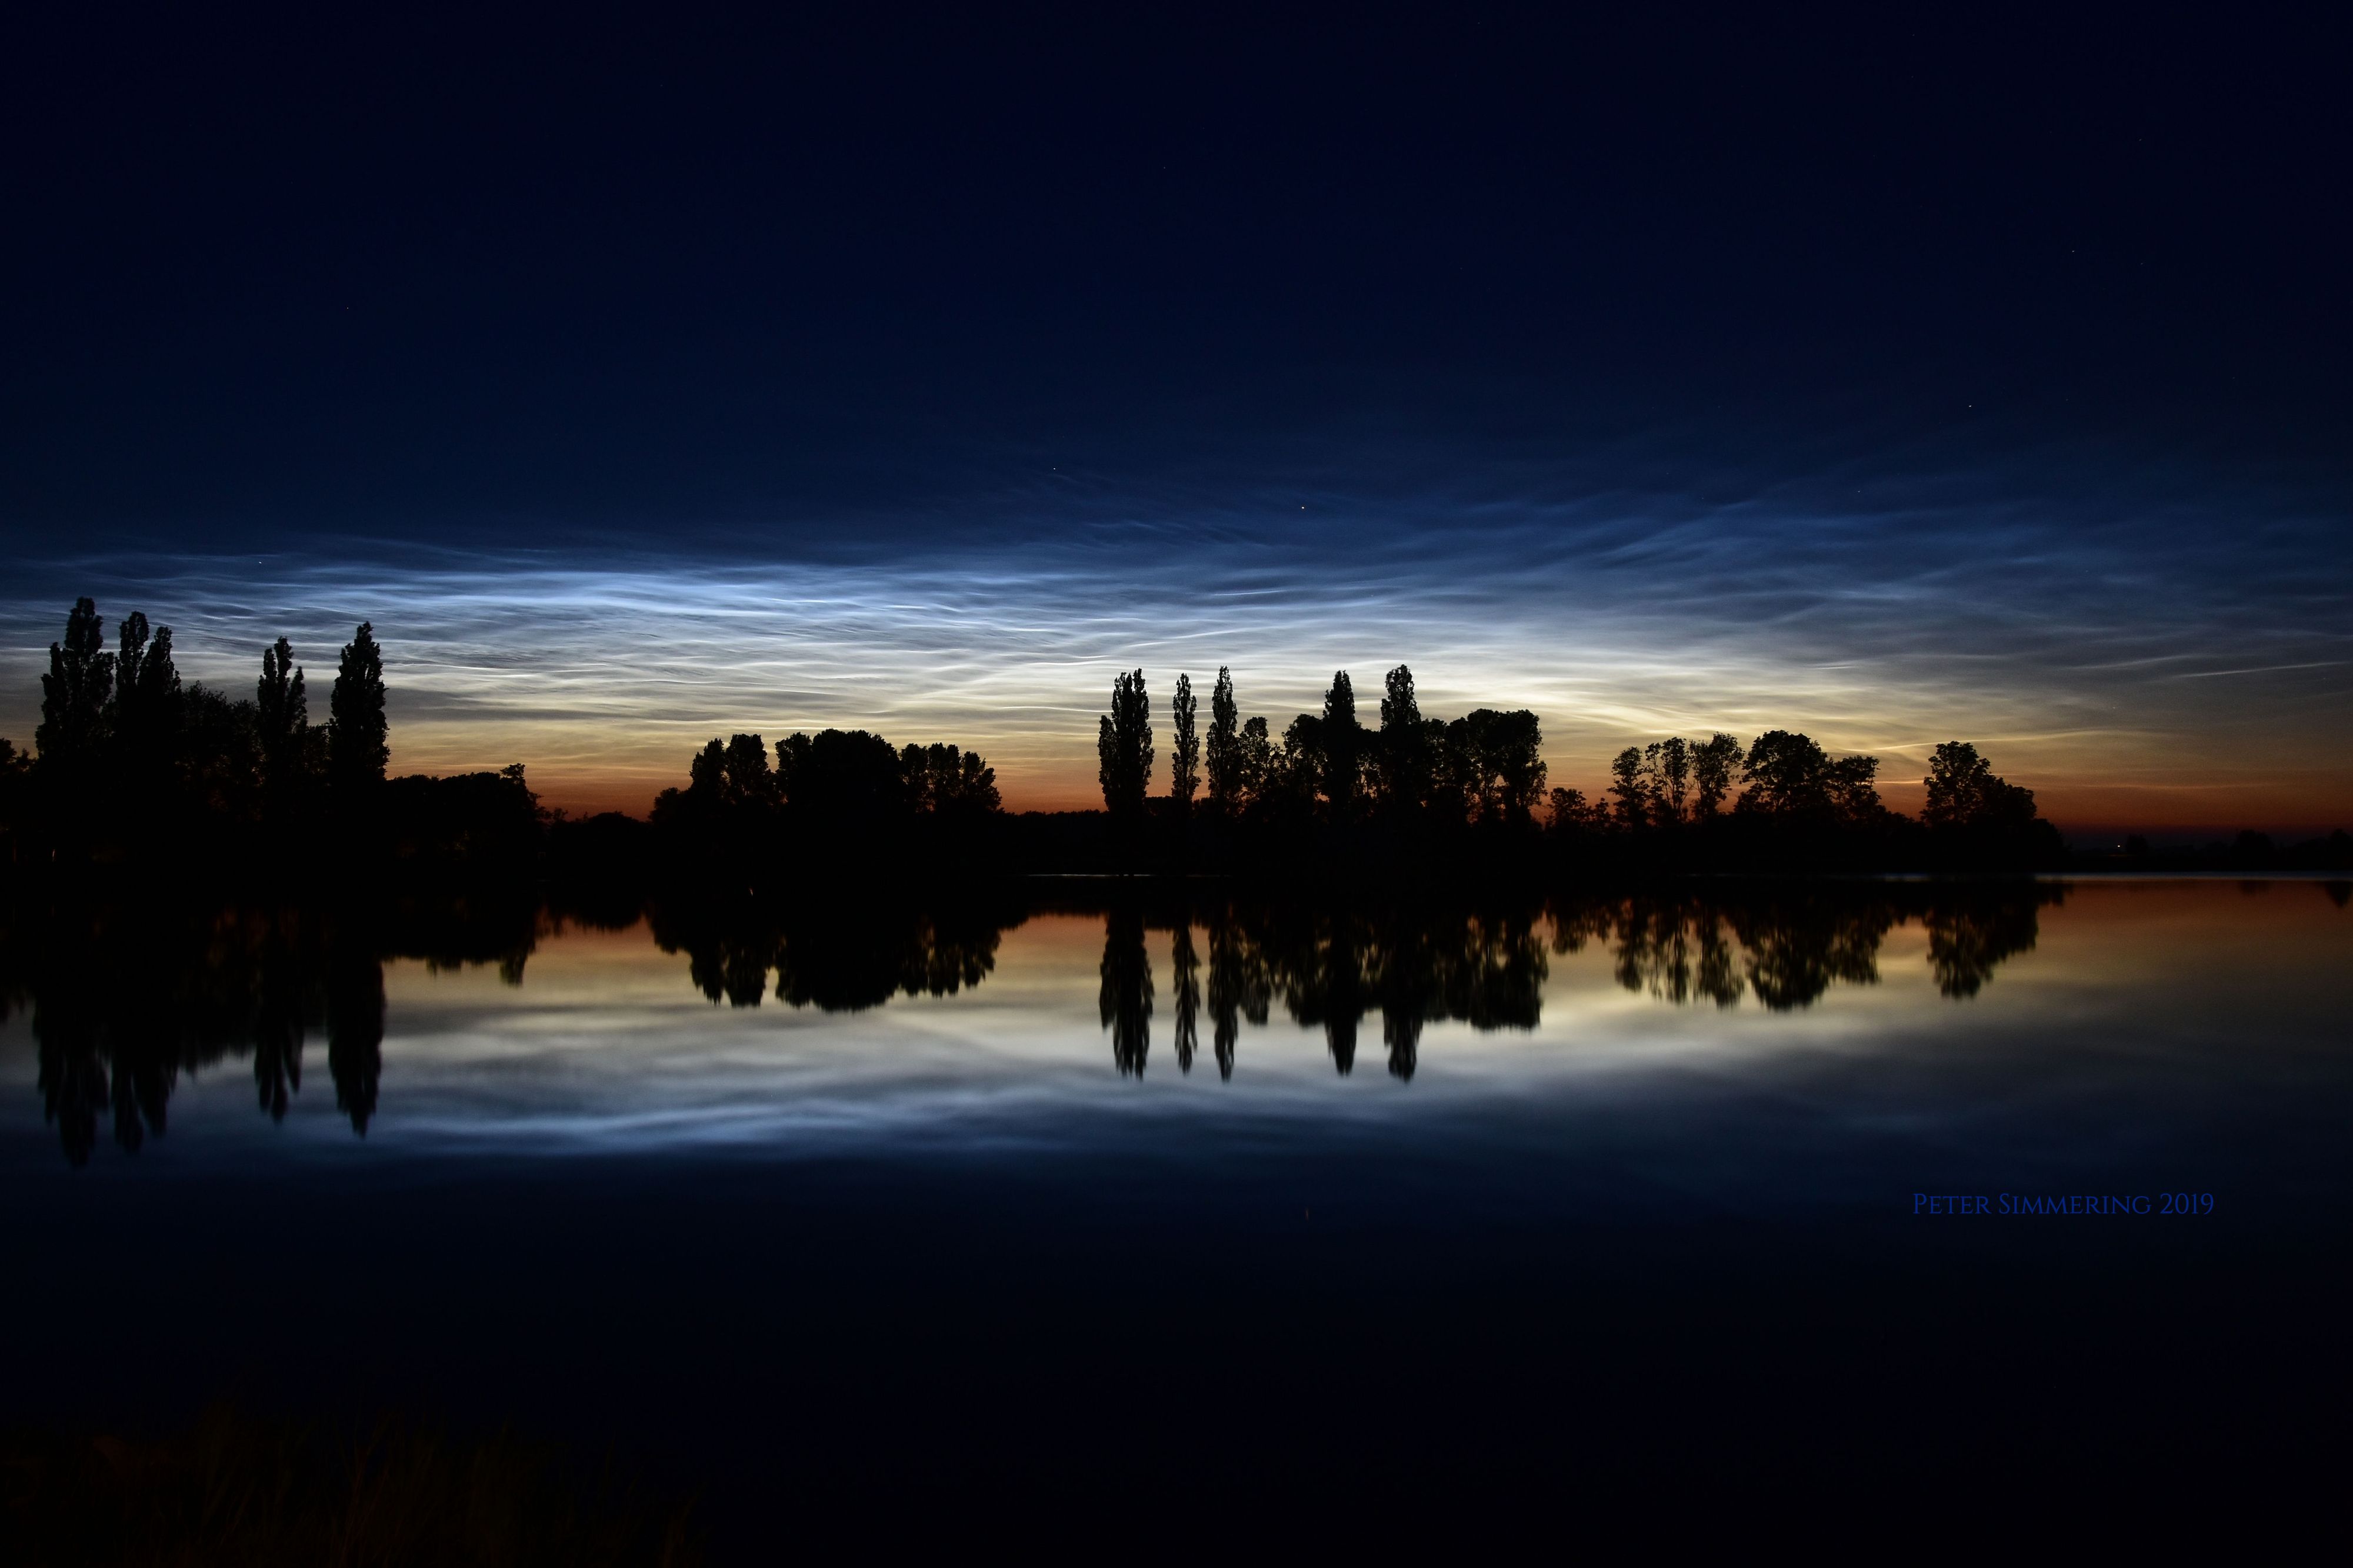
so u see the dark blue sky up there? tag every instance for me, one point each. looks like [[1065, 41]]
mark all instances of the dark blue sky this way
[[1779, 359]]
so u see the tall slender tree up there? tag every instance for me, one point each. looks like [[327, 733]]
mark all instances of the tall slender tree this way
[[1185, 758], [1343, 741], [1403, 754], [77, 690], [357, 748], [1124, 747], [146, 696], [1225, 757], [280, 704]]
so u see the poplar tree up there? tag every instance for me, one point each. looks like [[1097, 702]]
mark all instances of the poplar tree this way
[[1343, 742], [1185, 760], [1403, 754], [357, 750], [280, 704], [78, 688], [1124, 747], [1226, 791]]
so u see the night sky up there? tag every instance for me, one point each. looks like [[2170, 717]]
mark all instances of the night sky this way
[[1903, 376]]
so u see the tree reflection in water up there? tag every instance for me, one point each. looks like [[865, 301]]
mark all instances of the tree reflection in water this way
[[1787, 949], [838, 958], [126, 998]]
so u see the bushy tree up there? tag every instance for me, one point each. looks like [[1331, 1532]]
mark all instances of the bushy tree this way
[[844, 776], [1715, 763], [745, 781], [944, 782], [1854, 790], [1124, 747], [1788, 774], [1964, 792], [1497, 756], [1791, 777], [1570, 812]]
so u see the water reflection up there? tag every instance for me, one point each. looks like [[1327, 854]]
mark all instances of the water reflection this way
[[1332, 969], [125, 999], [840, 958], [1787, 951]]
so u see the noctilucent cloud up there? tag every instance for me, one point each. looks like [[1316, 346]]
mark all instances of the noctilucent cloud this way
[[668, 380]]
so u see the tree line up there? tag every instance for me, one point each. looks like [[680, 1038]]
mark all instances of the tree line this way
[[1485, 767], [1780, 799], [131, 763], [841, 799]]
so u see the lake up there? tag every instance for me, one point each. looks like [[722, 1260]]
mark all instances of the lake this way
[[1156, 1219]]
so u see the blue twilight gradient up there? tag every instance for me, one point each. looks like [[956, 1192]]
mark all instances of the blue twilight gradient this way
[[2156, 654], [1898, 378]]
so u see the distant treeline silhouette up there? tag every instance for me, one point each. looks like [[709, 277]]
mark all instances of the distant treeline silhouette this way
[[840, 800], [1420, 791], [134, 765]]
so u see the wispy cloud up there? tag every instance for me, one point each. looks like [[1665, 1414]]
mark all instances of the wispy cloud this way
[[1616, 615]]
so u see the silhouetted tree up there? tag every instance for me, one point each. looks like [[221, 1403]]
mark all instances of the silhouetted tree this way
[[357, 750], [948, 783], [1340, 741], [1405, 755], [1572, 813], [1496, 758], [282, 720], [1631, 786], [1254, 760], [1715, 763], [1124, 748], [846, 777], [1225, 763], [146, 686], [1787, 774], [1964, 792], [1185, 759], [745, 782], [76, 691], [1669, 765], [1855, 790]]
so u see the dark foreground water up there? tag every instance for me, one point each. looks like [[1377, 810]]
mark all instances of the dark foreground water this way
[[1123, 1225]]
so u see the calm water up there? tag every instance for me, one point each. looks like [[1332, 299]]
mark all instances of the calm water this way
[[1115, 1214]]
